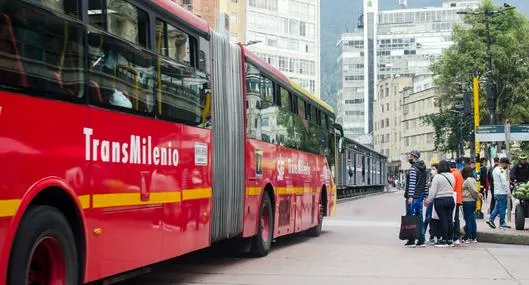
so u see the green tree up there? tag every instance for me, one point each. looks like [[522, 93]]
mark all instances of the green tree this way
[[509, 33]]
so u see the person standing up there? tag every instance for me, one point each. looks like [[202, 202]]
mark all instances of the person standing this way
[[491, 184], [470, 196], [483, 177], [520, 172], [441, 194], [428, 220], [501, 193], [415, 193], [458, 188]]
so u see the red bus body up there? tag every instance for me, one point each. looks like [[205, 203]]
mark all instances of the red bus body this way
[[135, 207]]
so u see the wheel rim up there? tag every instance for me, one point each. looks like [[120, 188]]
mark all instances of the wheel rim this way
[[46, 266], [265, 223]]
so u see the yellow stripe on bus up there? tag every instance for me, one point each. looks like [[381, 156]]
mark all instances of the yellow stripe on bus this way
[[253, 191], [195, 194], [85, 201], [8, 208], [134, 199]]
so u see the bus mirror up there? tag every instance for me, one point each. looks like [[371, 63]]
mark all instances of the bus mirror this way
[[340, 145]]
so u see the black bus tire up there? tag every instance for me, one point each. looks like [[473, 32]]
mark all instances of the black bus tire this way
[[43, 229], [263, 240]]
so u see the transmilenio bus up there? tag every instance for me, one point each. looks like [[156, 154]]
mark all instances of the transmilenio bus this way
[[130, 133]]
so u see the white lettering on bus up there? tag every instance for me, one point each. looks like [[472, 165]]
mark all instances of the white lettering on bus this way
[[138, 151], [298, 168]]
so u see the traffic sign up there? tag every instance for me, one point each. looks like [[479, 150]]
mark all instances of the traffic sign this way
[[496, 133]]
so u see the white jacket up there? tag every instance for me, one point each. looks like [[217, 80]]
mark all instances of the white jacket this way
[[501, 184]]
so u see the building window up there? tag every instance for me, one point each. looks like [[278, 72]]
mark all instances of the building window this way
[[233, 18]]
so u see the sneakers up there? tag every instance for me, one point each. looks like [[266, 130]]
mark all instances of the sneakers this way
[[474, 241], [505, 227], [410, 244], [457, 242], [491, 224], [421, 244], [441, 243]]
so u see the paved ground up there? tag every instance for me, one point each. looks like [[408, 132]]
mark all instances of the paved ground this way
[[359, 246]]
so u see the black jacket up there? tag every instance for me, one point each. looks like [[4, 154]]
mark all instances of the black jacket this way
[[520, 172], [416, 181]]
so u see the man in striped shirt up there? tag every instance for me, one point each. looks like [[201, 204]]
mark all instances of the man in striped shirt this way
[[416, 192]]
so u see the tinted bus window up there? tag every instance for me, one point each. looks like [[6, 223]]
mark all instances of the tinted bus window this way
[[182, 93], [172, 42], [121, 75], [120, 18], [42, 52]]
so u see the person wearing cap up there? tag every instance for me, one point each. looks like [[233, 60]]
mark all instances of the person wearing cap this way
[[520, 172], [458, 189], [415, 193], [501, 192]]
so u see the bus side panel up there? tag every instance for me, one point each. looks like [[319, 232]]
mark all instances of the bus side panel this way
[[254, 189], [187, 226], [260, 170], [39, 138]]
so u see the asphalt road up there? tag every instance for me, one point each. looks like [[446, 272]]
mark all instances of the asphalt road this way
[[358, 246]]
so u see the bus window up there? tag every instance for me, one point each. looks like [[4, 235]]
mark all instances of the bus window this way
[[121, 75], [172, 42], [181, 93], [40, 51], [120, 18], [204, 54]]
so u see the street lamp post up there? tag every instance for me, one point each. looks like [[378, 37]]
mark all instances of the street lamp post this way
[[491, 92]]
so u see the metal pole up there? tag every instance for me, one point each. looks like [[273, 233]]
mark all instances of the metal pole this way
[[477, 146], [508, 149], [490, 84]]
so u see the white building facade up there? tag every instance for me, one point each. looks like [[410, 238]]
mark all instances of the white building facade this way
[[289, 37], [407, 42]]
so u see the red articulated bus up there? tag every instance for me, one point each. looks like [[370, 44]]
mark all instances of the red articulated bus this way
[[130, 133]]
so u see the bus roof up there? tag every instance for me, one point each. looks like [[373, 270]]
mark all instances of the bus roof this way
[[280, 76], [184, 15], [311, 96]]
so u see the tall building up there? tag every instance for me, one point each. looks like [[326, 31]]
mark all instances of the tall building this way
[[418, 102], [402, 105], [286, 34], [407, 42], [388, 132]]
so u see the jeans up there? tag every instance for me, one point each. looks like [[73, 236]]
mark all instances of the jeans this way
[[428, 221], [500, 209], [469, 209], [445, 207], [457, 224], [416, 209]]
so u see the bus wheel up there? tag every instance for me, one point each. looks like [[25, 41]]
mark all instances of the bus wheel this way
[[263, 240], [316, 230], [44, 251]]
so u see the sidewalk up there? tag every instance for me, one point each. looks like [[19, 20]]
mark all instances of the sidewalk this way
[[503, 236]]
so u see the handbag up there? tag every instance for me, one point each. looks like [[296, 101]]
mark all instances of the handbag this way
[[409, 227]]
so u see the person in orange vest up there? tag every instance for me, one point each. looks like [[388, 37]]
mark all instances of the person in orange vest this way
[[458, 189]]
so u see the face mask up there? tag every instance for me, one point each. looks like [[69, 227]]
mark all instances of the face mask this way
[[410, 161], [434, 172]]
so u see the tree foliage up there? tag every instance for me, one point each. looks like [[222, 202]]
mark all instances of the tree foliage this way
[[509, 34]]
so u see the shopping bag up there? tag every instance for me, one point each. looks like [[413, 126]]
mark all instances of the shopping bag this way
[[409, 227], [434, 214]]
